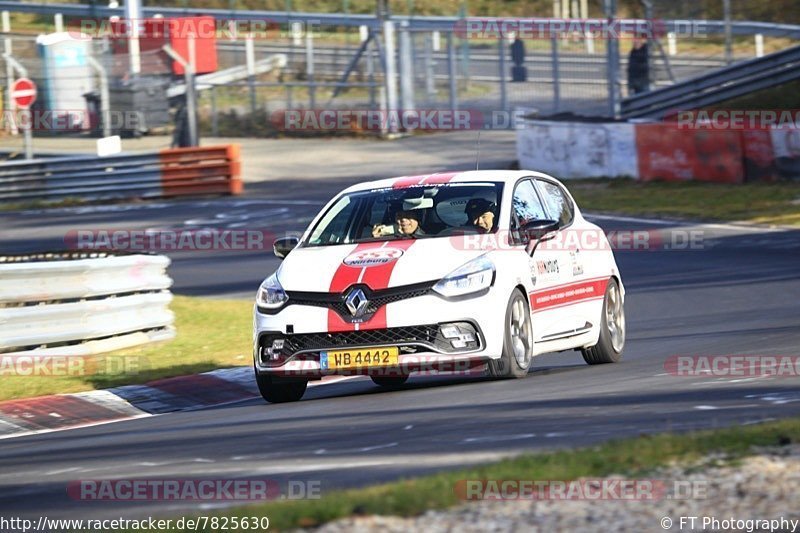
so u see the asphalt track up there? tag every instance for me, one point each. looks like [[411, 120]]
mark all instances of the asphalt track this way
[[738, 293]]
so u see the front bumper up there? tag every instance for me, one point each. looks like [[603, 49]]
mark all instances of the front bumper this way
[[414, 325]]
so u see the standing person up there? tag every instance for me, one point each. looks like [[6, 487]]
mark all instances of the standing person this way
[[518, 70], [638, 67]]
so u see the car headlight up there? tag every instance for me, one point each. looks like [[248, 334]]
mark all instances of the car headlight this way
[[270, 294], [474, 276]]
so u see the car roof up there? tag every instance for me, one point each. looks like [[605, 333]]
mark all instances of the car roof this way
[[503, 176]]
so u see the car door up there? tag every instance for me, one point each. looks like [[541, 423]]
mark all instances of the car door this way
[[573, 301], [547, 264]]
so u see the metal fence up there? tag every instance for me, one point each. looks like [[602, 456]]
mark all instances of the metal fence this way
[[342, 63], [79, 303], [207, 170]]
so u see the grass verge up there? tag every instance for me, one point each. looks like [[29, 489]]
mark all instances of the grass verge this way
[[629, 457], [210, 334], [766, 203]]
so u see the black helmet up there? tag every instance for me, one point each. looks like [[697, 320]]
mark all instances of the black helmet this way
[[478, 206]]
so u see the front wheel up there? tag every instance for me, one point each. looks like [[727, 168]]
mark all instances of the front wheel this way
[[517, 341], [612, 329], [280, 390]]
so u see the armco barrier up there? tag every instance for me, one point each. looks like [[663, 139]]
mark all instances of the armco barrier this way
[[165, 173], [657, 151], [79, 303]]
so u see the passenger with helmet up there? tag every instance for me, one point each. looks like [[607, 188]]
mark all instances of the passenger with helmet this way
[[481, 214], [407, 224]]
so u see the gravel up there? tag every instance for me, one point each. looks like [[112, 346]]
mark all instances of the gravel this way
[[760, 487]]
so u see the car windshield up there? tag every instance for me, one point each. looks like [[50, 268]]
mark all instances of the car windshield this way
[[410, 213]]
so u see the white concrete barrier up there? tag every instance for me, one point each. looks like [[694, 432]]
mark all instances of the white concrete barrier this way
[[577, 150]]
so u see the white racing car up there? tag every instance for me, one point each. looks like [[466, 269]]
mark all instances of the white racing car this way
[[434, 273]]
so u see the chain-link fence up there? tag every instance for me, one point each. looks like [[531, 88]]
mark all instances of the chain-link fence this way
[[333, 67]]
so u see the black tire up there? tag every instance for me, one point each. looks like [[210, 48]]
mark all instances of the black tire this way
[[607, 350], [389, 381], [280, 390], [509, 366]]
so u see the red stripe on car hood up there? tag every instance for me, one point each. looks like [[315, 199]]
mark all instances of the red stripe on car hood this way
[[375, 277]]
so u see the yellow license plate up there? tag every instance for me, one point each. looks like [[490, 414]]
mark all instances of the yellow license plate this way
[[359, 358]]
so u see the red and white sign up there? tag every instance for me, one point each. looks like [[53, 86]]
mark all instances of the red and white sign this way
[[23, 93]]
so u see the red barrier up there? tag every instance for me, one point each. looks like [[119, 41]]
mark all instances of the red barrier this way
[[668, 153], [759, 156]]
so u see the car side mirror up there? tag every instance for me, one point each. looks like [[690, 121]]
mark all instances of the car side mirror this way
[[282, 247], [536, 231]]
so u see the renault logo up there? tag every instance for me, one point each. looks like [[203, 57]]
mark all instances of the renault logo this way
[[356, 302]]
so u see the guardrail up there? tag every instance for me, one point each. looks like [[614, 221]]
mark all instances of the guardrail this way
[[79, 303], [166, 173], [736, 80]]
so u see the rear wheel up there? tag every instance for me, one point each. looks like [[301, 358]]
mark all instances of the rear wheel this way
[[280, 390], [517, 342], [612, 329], [389, 381]]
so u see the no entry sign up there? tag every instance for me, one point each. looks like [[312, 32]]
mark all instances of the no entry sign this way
[[23, 93]]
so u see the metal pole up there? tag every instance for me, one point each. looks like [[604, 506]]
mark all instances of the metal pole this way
[[612, 59], [501, 45], [556, 76], [7, 49], [105, 104], [250, 61], [430, 81], [391, 70], [406, 68], [672, 43], [759, 44], [310, 70], [451, 70], [28, 135], [23, 72], [133, 15], [214, 118], [191, 94], [191, 100], [58, 19], [371, 76], [726, 9]]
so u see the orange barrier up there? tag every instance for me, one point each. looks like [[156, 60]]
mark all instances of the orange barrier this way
[[666, 152], [201, 170]]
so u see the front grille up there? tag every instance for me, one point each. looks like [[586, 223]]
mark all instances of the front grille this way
[[376, 298], [412, 335], [411, 339]]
